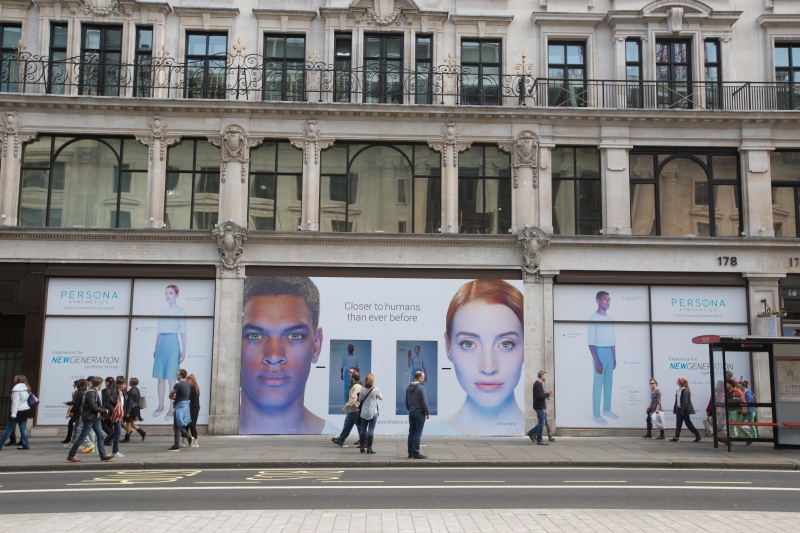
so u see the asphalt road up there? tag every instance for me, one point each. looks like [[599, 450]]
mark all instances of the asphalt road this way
[[394, 488]]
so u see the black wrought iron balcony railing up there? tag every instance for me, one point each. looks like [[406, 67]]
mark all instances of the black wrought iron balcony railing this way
[[252, 78]]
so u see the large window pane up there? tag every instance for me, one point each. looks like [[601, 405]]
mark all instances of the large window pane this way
[[33, 197], [334, 160], [333, 203], [679, 213], [179, 201], [564, 207], [498, 206], [290, 159], [470, 206], [589, 217], [181, 156], [643, 209], [427, 162], [784, 213], [207, 156], [376, 207], [427, 205], [262, 158], [206, 200], [136, 155], [726, 210], [133, 199], [785, 166], [287, 211]]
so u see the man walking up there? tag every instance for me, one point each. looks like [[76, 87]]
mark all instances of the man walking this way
[[91, 411], [183, 417], [350, 408], [417, 407], [540, 406]]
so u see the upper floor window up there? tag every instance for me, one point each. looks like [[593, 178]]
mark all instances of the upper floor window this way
[[283, 67], [101, 54], [484, 190], [423, 56], [206, 62], [674, 73], [10, 71], [482, 72], [633, 72], [785, 168], [566, 72], [380, 188], [143, 60], [192, 195], [276, 187], [675, 194], [58, 75], [787, 71], [576, 191], [343, 63], [72, 182], [383, 69], [712, 62]]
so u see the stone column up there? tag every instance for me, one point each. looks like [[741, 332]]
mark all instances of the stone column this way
[[449, 145], [546, 187], [312, 144], [616, 189], [757, 191], [158, 141], [762, 286], [234, 144], [223, 418], [524, 151], [12, 138]]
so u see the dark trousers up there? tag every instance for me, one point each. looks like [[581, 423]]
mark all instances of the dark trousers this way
[[681, 419], [178, 431], [95, 426], [350, 421], [116, 429], [416, 421], [70, 429]]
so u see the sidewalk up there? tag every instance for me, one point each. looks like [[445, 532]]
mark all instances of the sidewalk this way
[[309, 451]]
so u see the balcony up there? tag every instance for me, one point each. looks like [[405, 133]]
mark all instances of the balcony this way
[[252, 78]]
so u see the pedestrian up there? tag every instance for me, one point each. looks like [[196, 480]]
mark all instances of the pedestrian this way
[[106, 393], [418, 412], [89, 441], [653, 408], [92, 410], [70, 418], [540, 406], [194, 409], [116, 409], [550, 437], [368, 396], [683, 409], [748, 412], [75, 412], [350, 409], [134, 411], [20, 412], [733, 405], [180, 405]]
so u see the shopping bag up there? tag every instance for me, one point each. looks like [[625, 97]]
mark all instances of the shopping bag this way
[[143, 402], [709, 427], [658, 420]]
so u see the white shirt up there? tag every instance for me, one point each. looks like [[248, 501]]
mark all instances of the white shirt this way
[[601, 330]]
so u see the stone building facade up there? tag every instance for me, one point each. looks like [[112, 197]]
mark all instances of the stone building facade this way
[[581, 143]]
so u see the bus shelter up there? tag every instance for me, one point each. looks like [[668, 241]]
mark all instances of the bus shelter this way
[[776, 420]]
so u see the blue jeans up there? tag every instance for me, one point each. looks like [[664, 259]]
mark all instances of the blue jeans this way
[[680, 420], [416, 421], [115, 436], [97, 427], [349, 421], [23, 431], [538, 429], [602, 382], [367, 427]]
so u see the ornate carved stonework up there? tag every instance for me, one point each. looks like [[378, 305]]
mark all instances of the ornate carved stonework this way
[[101, 8], [385, 13], [312, 134], [450, 137], [10, 127], [230, 237], [158, 130], [525, 153], [675, 19], [532, 240], [235, 144]]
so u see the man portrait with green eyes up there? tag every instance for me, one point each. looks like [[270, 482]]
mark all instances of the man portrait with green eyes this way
[[281, 339]]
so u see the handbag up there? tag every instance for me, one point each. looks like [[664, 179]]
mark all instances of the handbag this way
[[364, 401], [708, 426], [32, 400], [657, 419], [118, 414], [143, 402]]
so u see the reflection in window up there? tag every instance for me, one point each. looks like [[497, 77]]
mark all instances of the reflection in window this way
[[576, 190], [284, 67], [79, 182], [682, 194], [101, 55], [192, 195], [787, 74], [785, 168], [481, 72], [11, 71], [566, 73], [484, 191], [276, 187], [206, 60], [386, 188]]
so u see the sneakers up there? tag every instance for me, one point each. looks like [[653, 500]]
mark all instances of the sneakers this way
[[196, 444], [118, 455], [698, 438], [107, 458], [189, 442], [88, 449], [542, 443], [420, 456], [182, 445], [673, 439], [73, 460], [174, 449], [23, 447], [336, 442]]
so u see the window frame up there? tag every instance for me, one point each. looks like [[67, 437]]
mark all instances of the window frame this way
[[636, 85], [792, 70], [423, 78], [206, 58], [60, 64], [194, 173], [713, 88], [7, 57], [384, 72], [480, 65], [282, 62], [143, 61], [795, 185], [277, 175], [483, 178], [671, 83], [580, 99], [342, 73], [104, 64], [575, 190]]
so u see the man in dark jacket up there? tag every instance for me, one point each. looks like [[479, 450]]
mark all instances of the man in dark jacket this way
[[91, 412], [540, 406], [417, 406]]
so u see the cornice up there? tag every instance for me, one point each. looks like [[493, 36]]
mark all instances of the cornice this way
[[499, 20], [785, 20], [160, 7], [277, 13], [183, 11], [551, 18]]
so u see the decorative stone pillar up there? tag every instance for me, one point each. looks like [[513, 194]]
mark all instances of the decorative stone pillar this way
[[449, 145], [12, 138], [545, 188], [158, 141], [533, 241], [524, 151], [234, 144], [311, 143], [616, 189], [226, 363], [757, 191]]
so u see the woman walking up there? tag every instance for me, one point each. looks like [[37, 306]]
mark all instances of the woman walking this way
[[748, 412], [116, 413], [368, 396], [653, 408], [134, 411], [683, 408], [75, 411], [194, 407], [20, 411], [70, 413]]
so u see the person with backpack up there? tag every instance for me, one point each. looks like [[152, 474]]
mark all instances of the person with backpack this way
[[134, 411], [91, 411], [21, 403], [368, 396], [115, 404]]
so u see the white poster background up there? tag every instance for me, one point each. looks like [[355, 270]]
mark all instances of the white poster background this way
[[76, 348], [577, 302], [199, 342], [67, 296], [575, 376], [195, 296], [675, 356], [433, 296], [699, 304]]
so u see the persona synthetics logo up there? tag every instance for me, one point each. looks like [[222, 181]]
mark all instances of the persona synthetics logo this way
[[78, 296], [697, 304]]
